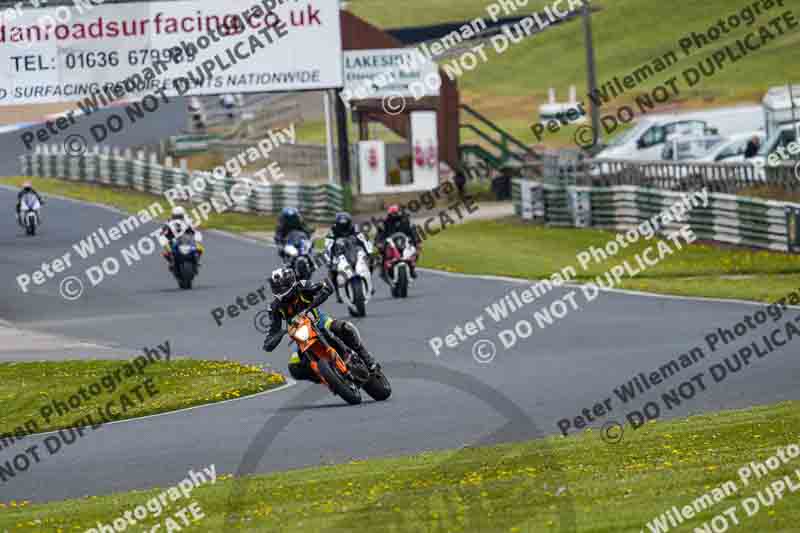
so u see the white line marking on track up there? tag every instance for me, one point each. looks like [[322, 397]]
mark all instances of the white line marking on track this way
[[629, 292]]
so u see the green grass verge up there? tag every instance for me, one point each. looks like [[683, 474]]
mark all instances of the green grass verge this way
[[517, 249], [508, 488], [26, 389], [133, 201]]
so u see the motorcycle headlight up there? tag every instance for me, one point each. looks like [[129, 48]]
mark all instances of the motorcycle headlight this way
[[409, 252], [185, 249], [302, 333]]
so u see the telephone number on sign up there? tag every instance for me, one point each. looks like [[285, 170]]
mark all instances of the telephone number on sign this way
[[82, 60]]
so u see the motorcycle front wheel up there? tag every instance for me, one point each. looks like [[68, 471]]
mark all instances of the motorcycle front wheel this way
[[402, 282], [185, 275], [378, 387], [356, 290]]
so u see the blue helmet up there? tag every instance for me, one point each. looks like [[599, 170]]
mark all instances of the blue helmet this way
[[290, 213]]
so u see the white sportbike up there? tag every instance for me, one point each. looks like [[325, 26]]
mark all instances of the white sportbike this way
[[29, 213]]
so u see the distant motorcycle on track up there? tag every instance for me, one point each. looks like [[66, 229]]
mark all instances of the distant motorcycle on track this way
[[29, 213], [299, 254], [353, 277], [186, 252], [399, 256]]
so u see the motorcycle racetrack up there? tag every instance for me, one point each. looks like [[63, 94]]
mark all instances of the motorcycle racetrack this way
[[552, 375]]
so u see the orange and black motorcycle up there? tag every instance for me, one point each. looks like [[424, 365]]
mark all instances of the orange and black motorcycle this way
[[336, 365]]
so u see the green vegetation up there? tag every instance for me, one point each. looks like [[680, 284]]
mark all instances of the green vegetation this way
[[521, 250], [509, 488], [313, 132], [26, 389], [627, 34], [516, 249], [133, 201]]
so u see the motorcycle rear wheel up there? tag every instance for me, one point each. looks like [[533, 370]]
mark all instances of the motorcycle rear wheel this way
[[347, 391]]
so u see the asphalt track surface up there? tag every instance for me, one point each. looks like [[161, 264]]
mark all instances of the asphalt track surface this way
[[170, 119], [554, 374]]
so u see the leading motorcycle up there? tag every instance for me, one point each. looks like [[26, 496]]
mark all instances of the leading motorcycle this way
[[337, 366], [353, 277], [29, 213]]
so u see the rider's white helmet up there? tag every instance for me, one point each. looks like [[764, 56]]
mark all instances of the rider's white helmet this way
[[178, 212]]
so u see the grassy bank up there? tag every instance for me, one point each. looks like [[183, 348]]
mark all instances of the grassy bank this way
[[31, 391], [509, 488], [628, 34], [133, 201], [521, 250]]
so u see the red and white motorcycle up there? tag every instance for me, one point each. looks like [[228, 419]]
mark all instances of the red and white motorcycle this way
[[399, 257]]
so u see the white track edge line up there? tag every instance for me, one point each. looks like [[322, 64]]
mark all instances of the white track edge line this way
[[289, 383]]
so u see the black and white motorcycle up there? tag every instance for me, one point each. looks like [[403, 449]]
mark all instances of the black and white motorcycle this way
[[353, 277], [29, 213]]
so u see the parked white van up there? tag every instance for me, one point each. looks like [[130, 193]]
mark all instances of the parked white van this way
[[645, 141]]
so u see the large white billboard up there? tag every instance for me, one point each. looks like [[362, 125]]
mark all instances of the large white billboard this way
[[185, 47]]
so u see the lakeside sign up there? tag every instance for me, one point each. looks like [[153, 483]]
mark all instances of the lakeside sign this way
[[65, 54], [390, 72]]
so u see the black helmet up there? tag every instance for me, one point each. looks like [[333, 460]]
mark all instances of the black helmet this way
[[343, 224], [282, 282]]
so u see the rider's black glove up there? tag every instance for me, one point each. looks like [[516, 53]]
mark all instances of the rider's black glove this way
[[322, 295], [272, 342]]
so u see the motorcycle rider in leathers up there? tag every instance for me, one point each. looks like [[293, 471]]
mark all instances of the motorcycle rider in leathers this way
[[293, 296]]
